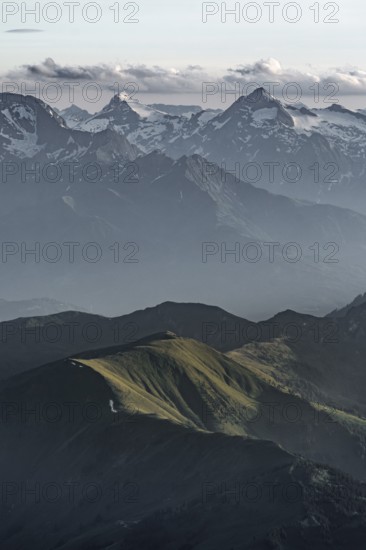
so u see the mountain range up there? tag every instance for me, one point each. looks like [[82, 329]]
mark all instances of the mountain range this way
[[97, 183], [30, 308], [152, 437], [183, 305], [315, 154], [304, 353]]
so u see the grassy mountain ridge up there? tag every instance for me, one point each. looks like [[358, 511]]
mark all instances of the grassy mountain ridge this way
[[159, 467], [318, 359]]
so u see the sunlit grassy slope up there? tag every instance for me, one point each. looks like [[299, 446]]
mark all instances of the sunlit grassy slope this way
[[188, 383]]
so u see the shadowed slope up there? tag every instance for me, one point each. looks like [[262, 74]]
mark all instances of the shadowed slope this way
[[144, 468]]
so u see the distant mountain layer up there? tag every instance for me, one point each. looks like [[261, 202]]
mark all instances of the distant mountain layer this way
[[73, 188], [317, 154], [341, 312], [11, 309], [176, 110], [73, 115]]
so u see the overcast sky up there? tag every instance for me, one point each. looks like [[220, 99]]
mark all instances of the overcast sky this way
[[171, 34]]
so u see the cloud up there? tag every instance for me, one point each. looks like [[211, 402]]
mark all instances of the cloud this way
[[24, 31], [149, 79], [270, 66], [48, 69], [157, 79]]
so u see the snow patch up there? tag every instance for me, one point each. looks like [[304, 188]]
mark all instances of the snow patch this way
[[268, 113], [218, 125], [69, 201], [111, 405]]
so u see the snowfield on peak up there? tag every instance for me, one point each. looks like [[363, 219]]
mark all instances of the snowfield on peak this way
[[267, 113]]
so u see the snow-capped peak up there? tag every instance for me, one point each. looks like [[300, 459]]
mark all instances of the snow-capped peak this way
[[260, 105], [144, 111], [260, 94], [124, 96]]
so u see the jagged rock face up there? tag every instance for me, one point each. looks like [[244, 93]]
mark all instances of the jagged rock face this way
[[27, 125], [33, 132]]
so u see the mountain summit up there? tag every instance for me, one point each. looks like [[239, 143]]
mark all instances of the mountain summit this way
[[261, 100]]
